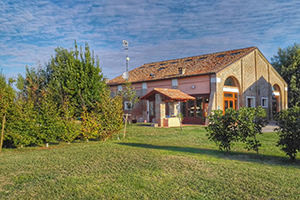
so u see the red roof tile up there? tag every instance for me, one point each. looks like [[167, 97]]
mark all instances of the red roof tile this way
[[196, 65], [170, 94]]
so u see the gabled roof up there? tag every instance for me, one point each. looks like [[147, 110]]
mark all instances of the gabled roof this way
[[196, 65], [170, 95]]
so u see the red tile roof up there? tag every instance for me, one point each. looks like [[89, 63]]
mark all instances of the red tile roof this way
[[170, 94], [196, 65]]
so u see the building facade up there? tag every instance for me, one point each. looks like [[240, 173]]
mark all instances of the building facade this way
[[229, 79]]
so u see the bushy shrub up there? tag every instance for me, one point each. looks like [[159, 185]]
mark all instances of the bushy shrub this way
[[289, 131], [106, 120], [21, 124], [71, 126], [236, 125], [222, 129], [250, 124]]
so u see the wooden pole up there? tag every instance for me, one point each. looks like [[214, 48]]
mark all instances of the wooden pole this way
[[125, 125], [2, 132]]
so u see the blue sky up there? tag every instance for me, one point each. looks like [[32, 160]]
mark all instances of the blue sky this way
[[156, 30]]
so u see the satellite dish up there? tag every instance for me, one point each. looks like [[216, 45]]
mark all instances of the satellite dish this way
[[125, 75], [125, 43]]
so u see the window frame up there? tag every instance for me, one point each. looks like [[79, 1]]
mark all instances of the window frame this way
[[262, 100], [126, 105], [250, 97]]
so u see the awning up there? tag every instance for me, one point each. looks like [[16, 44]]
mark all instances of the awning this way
[[169, 95]]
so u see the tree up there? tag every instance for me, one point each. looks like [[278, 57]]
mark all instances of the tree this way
[[7, 95], [22, 123], [76, 76], [222, 129], [129, 94], [106, 120], [250, 123], [236, 125], [287, 63], [289, 131]]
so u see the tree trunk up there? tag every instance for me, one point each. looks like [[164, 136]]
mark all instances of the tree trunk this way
[[2, 132]]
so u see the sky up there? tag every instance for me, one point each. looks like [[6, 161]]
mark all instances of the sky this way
[[156, 30]]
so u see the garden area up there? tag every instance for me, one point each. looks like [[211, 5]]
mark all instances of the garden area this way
[[150, 163]]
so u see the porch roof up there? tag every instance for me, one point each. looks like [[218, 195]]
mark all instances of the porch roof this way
[[169, 94]]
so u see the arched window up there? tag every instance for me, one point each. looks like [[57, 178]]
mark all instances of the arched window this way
[[230, 94], [229, 82]]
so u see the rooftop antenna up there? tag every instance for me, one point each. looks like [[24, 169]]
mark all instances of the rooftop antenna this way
[[126, 74]]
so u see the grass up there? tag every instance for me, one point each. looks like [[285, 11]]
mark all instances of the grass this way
[[150, 163]]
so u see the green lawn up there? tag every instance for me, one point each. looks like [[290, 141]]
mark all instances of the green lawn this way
[[151, 163]]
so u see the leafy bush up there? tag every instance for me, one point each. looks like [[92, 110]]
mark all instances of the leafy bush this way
[[21, 123], [222, 129], [251, 121], [71, 126], [289, 131], [236, 125], [106, 120]]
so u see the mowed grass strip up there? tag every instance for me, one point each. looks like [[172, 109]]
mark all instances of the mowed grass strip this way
[[150, 163]]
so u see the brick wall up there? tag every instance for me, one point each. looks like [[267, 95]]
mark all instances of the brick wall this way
[[255, 77]]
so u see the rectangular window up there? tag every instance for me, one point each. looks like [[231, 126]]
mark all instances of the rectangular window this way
[[250, 102], [119, 87], [191, 108], [174, 82], [167, 109], [264, 102], [183, 108], [199, 110], [144, 85], [127, 105]]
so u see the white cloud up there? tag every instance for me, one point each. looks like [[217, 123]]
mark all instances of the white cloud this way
[[156, 30]]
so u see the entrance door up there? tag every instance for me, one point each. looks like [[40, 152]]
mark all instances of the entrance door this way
[[194, 111], [275, 106], [230, 101]]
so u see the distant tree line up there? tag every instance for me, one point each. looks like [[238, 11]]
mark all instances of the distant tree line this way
[[61, 101]]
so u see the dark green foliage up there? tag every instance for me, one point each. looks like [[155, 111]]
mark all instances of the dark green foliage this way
[[22, 123], [250, 123], [289, 131], [77, 78], [223, 128], [106, 120], [71, 126], [111, 110], [287, 63], [236, 125], [50, 100], [7, 95], [49, 123]]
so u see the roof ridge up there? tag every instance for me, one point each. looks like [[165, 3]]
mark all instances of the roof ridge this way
[[183, 67], [219, 52]]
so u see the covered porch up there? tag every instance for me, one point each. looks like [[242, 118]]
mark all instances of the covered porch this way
[[166, 107]]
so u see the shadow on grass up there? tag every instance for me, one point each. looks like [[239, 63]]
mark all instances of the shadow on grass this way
[[240, 156]]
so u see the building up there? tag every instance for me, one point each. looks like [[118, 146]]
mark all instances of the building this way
[[229, 79]]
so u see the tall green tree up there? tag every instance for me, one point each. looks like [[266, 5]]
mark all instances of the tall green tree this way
[[287, 63], [7, 95], [289, 131], [76, 76]]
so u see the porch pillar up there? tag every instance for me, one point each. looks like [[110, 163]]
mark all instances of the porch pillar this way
[[160, 110], [173, 108]]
